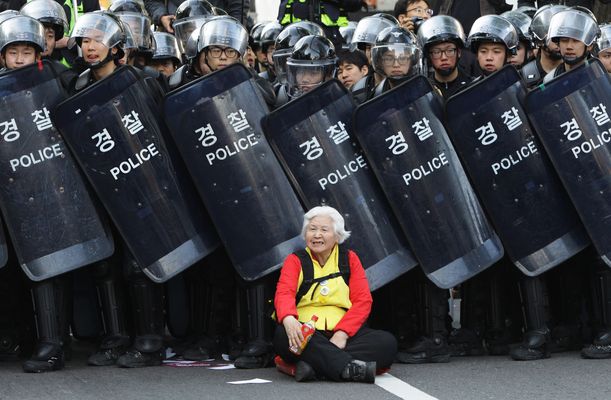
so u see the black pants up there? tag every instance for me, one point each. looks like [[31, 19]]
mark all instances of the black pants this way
[[329, 361]]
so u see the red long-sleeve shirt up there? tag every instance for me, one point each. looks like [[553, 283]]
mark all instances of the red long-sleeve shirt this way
[[360, 295]]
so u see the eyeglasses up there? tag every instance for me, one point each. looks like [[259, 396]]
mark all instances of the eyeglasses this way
[[421, 11], [389, 61], [436, 53], [215, 52]]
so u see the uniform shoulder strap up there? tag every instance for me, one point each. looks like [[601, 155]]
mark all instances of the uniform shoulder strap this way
[[344, 263], [307, 268]]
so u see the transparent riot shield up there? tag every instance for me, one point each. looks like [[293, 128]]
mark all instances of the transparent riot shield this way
[[409, 150], [115, 132], [215, 122], [571, 119], [312, 137], [516, 182], [51, 217]]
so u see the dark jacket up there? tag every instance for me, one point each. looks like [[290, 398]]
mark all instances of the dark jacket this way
[[448, 89], [159, 8]]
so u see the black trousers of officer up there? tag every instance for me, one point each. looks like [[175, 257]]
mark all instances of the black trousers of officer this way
[[329, 360]]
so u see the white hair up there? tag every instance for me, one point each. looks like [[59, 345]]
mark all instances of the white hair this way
[[338, 222]]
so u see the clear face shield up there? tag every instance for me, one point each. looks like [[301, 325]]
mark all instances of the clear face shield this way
[[98, 27], [367, 30], [574, 25], [48, 11], [304, 76], [22, 29], [223, 31], [397, 61], [280, 58], [166, 46], [140, 27], [183, 29]]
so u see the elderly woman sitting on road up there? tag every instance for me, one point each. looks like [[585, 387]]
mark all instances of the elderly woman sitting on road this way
[[327, 280]]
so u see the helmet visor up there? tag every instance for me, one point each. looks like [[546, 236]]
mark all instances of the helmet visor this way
[[304, 76], [98, 27], [396, 60]]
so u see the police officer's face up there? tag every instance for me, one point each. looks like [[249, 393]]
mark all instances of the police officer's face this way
[[165, 66], [444, 56], [19, 55], [50, 40], [94, 51], [571, 49], [605, 57], [250, 57], [491, 56], [270, 53], [395, 65], [309, 78], [219, 57], [520, 57], [320, 235], [349, 74]]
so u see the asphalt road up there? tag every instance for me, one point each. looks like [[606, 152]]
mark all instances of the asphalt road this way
[[563, 377]]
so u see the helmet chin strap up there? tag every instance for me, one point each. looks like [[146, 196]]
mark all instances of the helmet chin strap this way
[[575, 60]]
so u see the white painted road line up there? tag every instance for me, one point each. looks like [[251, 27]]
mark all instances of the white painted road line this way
[[401, 389]]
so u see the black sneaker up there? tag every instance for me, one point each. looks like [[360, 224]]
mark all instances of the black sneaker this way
[[426, 350], [360, 371], [136, 359], [465, 342], [600, 348], [47, 357]]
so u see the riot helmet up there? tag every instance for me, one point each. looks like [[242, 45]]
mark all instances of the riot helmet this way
[[6, 14], [285, 42], [311, 27], [312, 62], [367, 31], [190, 16], [388, 17], [604, 41], [269, 34], [540, 22], [103, 27], [439, 29], [573, 24], [140, 27], [223, 31], [396, 54], [166, 46], [219, 11], [347, 32], [255, 34], [130, 6], [493, 29], [522, 24], [21, 29], [48, 12]]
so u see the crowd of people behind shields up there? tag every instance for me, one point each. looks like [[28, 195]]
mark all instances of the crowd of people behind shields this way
[[289, 58]]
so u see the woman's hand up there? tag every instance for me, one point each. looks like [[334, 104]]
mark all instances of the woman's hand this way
[[339, 339], [293, 330]]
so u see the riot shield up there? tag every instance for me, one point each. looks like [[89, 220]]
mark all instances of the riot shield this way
[[215, 122], [409, 151], [50, 216], [513, 177], [570, 116], [116, 134], [312, 137]]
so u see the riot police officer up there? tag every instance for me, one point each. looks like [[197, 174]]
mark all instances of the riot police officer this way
[[101, 51], [442, 40], [603, 45], [547, 53], [166, 58], [522, 23], [395, 56], [312, 62]]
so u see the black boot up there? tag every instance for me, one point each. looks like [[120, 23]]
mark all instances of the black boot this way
[[48, 354], [258, 352], [202, 301], [433, 346], [360, 371], [601, 293], [148, 314], [113, 304], [535, 306], [499, 333]]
